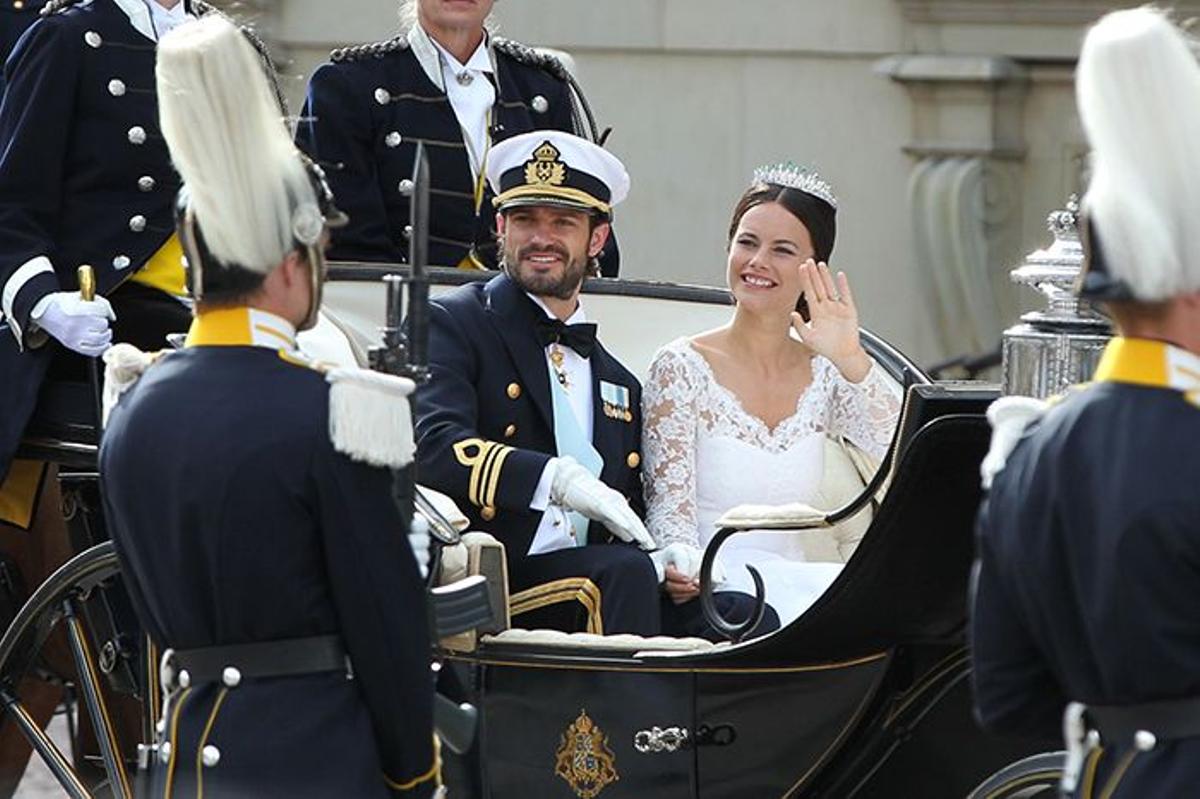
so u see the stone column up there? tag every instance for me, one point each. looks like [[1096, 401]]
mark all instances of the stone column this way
[[965, 189]]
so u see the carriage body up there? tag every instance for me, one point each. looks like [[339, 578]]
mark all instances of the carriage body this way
[[866, 694]]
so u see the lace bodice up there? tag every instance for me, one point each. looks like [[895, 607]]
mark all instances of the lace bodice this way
[[704, 453]]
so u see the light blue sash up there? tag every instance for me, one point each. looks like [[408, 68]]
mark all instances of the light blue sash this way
[[570, 440]]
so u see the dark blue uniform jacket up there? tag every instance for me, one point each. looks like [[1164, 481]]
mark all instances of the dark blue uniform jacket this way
[[485, 421], [236, 521], [85, 178], [1088, 580], [367, 110], [15, 17]]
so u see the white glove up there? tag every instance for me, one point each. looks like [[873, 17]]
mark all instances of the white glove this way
[[79, 325], [575, 488], [686, 559], [418, 540]]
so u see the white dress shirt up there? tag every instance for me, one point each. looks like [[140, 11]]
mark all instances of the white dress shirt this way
[[153, 20], [554, 530]]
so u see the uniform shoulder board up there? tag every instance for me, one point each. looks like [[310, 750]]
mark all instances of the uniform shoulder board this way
[[530, 57], [124, 365], [372, 50], [1009, 416], [55, 6], [369, 416]]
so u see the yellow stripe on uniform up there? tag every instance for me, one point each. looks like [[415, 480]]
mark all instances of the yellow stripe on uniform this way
[[485, 459], [212, 719], [434, 773]]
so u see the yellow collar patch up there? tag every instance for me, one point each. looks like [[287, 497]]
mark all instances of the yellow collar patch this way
[[1145, 362], [241, 327]]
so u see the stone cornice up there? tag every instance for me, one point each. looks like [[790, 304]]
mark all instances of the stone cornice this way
[[1035, 12]]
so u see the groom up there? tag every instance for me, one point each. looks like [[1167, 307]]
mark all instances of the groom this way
[[531, 425]]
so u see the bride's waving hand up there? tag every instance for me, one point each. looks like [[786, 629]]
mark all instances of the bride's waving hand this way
[[832, 327]]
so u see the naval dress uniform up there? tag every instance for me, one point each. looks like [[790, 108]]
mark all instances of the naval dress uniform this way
[[485, 431], [367, 110], [1089, 563], [85, 178], [276, 569]]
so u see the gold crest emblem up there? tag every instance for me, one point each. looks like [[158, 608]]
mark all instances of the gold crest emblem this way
[[545, 169], [584, 759]]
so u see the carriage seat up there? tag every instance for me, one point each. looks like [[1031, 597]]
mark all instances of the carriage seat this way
[[848, 471]]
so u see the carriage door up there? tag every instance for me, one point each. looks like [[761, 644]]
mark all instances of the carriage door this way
[[568, 731]]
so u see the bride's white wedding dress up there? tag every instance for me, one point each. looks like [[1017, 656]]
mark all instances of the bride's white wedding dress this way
[[704, 454]]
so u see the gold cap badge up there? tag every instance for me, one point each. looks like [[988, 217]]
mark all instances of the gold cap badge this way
[[545, 169]]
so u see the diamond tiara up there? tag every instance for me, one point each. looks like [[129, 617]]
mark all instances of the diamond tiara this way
[[796, 177]]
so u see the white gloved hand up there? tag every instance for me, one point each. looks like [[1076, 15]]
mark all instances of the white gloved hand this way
[[686, 559], [418, 540], [80, 325], [577, 489]]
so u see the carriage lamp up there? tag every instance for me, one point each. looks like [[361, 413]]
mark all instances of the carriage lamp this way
[[1060, 345]]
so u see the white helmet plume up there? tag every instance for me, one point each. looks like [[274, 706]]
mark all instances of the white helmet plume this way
[[1138, 90], [245, 180]]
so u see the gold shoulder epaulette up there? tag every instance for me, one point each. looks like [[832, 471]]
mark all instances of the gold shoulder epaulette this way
[[373, 50], [530, 57]]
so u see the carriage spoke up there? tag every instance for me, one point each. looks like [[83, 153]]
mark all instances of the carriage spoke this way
[[50, 754], [93, 697]]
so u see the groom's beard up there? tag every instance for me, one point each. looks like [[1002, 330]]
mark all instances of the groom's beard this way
[[562, 287]]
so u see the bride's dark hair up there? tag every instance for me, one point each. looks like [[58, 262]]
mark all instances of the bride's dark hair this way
[[818, 217]]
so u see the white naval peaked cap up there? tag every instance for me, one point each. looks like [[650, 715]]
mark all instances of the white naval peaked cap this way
[[550, 167]]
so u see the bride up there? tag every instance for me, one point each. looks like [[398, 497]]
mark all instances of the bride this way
[[739, 414]]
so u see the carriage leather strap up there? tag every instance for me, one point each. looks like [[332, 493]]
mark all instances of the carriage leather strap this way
[[286, 658], [1168, 720]]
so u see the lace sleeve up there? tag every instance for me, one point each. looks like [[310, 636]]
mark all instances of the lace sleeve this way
[[866, 413], [669, 445]]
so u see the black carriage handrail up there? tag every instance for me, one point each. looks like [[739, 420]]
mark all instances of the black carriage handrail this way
[[830, 628], [736, 632]]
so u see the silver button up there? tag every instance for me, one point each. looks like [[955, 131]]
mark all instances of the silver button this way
[[164, 752], [116, 87], [408, 231], [210, 755], [465, 78], [1144, 740], [540, 104], [146, 183], [231, 677], [137, 135], [185, 679], [137, 224], [93, 39], [393, 139], [121, 262], [406, 187], [382, 96]]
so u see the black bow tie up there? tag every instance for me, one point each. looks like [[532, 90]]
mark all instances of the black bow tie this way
[[581, 338]]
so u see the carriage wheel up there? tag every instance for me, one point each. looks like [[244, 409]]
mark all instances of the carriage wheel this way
[[1034, 777], [59, 602]]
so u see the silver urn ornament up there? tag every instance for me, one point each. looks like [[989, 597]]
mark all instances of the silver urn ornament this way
[[1059, 346]]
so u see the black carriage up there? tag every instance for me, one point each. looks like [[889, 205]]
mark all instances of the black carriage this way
[[866, 694]]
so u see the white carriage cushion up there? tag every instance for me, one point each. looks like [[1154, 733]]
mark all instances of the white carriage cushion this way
[[447, 507], [847, 471], [623, 643]]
